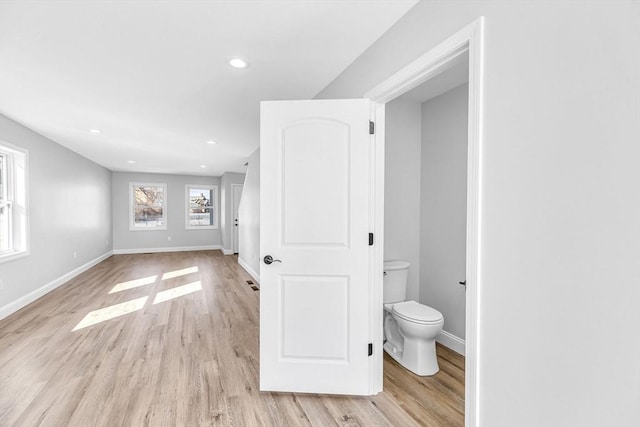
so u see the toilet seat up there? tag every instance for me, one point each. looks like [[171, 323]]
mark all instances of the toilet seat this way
[[412, 311]]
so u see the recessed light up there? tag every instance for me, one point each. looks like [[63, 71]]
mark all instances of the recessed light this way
[[131, 161], [211, 142], [238, 63], [95, 130], [203, 166]]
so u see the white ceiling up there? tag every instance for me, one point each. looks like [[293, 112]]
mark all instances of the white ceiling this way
[[154, 78]]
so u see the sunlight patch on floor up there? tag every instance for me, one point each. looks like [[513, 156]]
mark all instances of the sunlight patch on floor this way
[[177, 292], [133, 284], [178, 273], [111, 312]]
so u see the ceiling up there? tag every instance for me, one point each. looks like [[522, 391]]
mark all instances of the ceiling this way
[[154, 78]]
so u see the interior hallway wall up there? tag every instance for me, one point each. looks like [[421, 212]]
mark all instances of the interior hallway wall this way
[[226, 208], [249, 219], [560, 213], [443, 212], [69, 212], [402, 188], [127, 241]]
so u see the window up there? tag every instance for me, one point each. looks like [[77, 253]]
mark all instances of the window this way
[[148, 206], [202, 212], [13, 202]]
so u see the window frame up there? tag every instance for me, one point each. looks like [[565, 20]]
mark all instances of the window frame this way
[[132, 205], [215, 205], [18, 203]]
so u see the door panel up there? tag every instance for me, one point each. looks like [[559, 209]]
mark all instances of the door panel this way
[[327, 143], [304, 300], [315, 209]]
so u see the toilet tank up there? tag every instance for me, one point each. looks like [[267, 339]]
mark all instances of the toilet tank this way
[[394, 284]]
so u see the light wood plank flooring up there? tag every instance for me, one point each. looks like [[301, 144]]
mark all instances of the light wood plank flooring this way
[[180, 351]]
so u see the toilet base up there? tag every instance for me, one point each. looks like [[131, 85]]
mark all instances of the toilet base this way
[[418, 357], [393, 351]]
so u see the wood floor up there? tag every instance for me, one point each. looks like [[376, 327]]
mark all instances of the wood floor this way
[[175, 343]]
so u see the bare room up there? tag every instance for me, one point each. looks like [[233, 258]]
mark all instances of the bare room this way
[[349, 213]]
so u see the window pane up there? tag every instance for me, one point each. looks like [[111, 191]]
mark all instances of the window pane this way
[[148, 206], [3, 177], [201, 216], [200, 198], [13, 202], [5, 229]]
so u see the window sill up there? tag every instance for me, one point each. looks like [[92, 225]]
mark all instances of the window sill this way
[[202, 227], [11, 256], [148, 229]]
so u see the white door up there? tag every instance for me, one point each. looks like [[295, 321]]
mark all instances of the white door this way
[[236, 194], [315, 219]]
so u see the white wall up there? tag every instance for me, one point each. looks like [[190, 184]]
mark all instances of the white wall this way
[[69, 211], [560, 215], [443, 215], [402, 189], [226, 208], [249, 219], [125, 241]]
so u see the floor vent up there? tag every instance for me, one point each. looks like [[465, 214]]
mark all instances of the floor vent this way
[[250, 282], [255, 288]]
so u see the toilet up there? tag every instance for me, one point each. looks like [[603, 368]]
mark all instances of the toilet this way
[[410, 328]]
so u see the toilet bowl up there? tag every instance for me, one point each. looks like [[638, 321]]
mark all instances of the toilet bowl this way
[[410, 328]]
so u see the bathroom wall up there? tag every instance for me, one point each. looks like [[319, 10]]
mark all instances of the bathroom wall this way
[[249, 219], [402, 188], [127, 241], [443, 204]]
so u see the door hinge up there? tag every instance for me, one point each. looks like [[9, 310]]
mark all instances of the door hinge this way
[[370, 349], [370, 239], [372, 127]]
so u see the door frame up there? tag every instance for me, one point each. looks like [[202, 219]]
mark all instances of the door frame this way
[[468, 39], [234, 215]]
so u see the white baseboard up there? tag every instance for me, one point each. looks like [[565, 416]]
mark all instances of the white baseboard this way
[[227, 251], [167, 249], [249, 270], [451, 341], [16, 305]]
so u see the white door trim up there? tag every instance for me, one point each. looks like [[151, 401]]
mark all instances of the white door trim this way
[[376, 264], [438, 59]]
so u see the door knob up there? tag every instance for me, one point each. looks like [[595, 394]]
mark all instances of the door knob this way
[[269, 260]]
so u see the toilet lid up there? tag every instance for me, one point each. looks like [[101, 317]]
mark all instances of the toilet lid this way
[[395, 265], [415, 312]]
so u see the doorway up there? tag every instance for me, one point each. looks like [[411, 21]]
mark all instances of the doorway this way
[[467, 41], [425, 224]]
